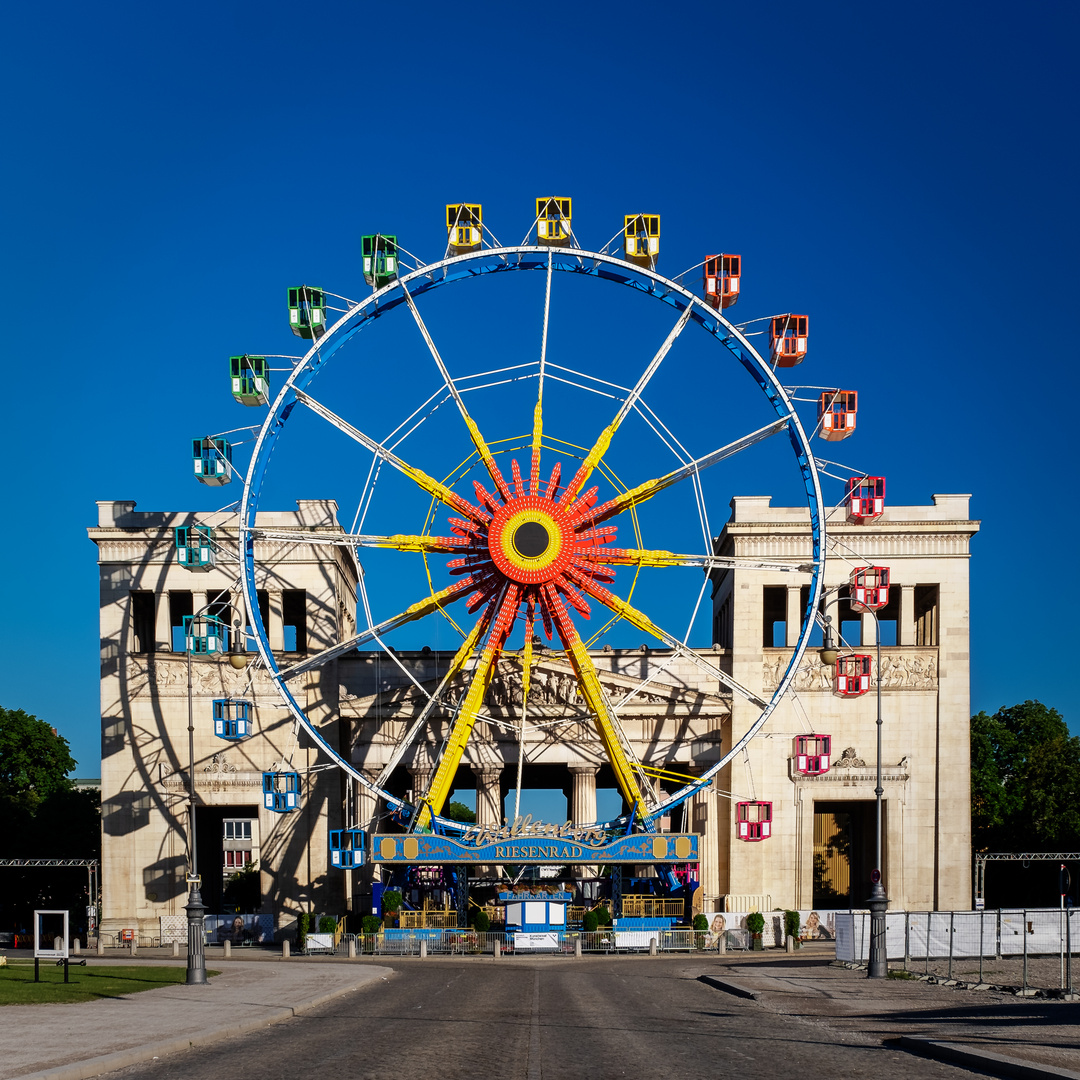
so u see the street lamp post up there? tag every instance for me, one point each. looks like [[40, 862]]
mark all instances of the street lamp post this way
[[195, 908], [877, 966]]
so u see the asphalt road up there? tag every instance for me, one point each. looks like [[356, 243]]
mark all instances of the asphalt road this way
[[543, 1019]]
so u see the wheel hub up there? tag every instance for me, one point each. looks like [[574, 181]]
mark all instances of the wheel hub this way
[[531, 540]]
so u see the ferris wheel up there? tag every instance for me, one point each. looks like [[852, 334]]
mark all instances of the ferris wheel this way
[[541, 457]]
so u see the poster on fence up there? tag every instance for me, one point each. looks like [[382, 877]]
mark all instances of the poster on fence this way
[[240, 929]]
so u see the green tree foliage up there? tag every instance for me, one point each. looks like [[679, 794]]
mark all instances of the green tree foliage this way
[[43, 817], [34, 761], [458, 811], [1025, 780]]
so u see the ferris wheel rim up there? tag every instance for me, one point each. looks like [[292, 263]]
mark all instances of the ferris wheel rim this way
[[381, 300]]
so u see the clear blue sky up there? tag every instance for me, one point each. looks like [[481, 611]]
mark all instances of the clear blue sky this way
[[906, 175]]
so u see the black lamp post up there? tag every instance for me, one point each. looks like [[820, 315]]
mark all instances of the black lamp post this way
[[195, 908], [877, 966]]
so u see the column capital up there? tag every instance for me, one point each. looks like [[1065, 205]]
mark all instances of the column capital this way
[[487, 771], [583, 770]]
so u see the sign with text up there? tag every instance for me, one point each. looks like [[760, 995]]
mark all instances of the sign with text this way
[[590, 846]]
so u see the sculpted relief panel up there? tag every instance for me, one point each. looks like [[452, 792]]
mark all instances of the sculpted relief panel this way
[[907, 669]]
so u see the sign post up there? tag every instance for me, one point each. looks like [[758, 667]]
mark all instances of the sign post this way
[[50, 939]]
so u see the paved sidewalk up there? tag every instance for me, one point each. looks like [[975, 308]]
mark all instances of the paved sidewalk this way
[[996, 1032], [75, 1041]]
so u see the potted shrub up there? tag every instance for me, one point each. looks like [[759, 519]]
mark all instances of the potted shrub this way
[[701, 925], [391, 902], [755, 923], [303, 926], [791, 928], [590, 922]]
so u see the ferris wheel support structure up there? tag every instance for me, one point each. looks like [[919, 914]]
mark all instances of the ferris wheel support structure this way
[[405, 291]]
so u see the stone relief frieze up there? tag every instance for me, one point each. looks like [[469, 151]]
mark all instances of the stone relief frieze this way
[[908, 669], [169, 677]]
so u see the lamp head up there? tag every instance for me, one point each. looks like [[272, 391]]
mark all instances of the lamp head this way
[[237, 656], [827, 652]]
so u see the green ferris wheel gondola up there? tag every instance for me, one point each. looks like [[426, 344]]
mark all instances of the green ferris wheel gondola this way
[[250, 379], [307, 311], [380, 259]]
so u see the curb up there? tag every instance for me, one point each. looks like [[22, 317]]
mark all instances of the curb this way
[[728, 987], [103, 1063], [985, 1060]]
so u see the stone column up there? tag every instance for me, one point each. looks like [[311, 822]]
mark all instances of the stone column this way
[[421, 773], [583, 804], [583, 794], [794, 615], [488, 794], [869, 631], [907, 615]]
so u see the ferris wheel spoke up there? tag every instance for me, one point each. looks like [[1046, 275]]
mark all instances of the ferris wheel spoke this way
[[400, 541], [460, 659], [637, 495], [538, 417], [598, 556], [593, 457], [632, 781], [474, 432], [642, 621], [471, 703], [418, 476], [419, 610]]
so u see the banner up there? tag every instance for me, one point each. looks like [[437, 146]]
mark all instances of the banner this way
[[571, 846]]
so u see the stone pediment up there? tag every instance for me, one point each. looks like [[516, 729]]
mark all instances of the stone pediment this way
[[553, 692]]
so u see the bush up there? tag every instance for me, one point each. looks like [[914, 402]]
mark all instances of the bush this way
[[327, 924], [391, 901], [370, 924], [590, 922], [755, 922], [701, 922], [303, 926], [481, 921], [791, 925], [605, 916]]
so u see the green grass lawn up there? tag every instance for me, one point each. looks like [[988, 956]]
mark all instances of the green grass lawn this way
[[17, 986]]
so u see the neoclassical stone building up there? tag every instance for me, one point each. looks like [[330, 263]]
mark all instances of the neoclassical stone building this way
[[821, 849]]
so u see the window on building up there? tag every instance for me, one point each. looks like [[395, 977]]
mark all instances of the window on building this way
[[237, 860], [180, 604], [294, 619], [263, 598], [722, 625], [774, 611], [142, 622], [237, 829], [889, 618], [850, 622], [926, 614], [219, 606], [815, 631]]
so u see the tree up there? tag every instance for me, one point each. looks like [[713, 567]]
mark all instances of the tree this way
[[44, 816], [34, 760], [458, 811], [1025, 780]]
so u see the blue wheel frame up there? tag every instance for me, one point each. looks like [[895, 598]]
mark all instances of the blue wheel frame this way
[[500, 261]]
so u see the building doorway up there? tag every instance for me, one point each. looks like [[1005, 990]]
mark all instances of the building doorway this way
[[844, 843]]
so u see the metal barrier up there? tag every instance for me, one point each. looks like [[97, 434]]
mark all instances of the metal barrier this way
[[1026, 949]]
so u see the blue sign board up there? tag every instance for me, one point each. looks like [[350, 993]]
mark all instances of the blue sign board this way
[[587, 847]]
